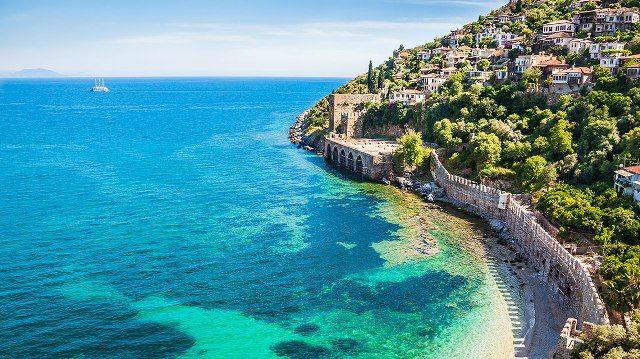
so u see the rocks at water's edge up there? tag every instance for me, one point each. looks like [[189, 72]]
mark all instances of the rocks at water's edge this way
[[428, 191], [297, 134]]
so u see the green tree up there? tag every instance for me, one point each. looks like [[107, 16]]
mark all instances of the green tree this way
[[634, 44], [536, 174], [599, 136], [560, 138], [411, 152], [621, 271], [443, 134], [380, 80], [483, 64], [632, 143], [531, 77], [370, 81], [486, 149]]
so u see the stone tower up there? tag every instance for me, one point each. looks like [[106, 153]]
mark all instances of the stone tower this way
[[345, 113]]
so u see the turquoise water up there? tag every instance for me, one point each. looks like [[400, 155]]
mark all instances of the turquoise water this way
[[172, 218]]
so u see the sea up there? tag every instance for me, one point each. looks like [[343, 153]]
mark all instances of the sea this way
[[171, 217]]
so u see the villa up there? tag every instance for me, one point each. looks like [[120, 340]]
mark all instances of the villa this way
[[558, 26], [496, 35], [627, 182], [579, 45], [424, 55], [455, 57], [579, 4], [525, 62], [598, 50], [557, 39], [407, 97], [431, 82], [611, 62], [633, 71], [570, 80], [608, 21]]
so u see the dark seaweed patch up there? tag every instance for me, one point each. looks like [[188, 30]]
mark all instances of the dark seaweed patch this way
[[306, 329], [299, 350], [347, 345]]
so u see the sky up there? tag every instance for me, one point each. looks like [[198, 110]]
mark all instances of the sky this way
[[221, 38]]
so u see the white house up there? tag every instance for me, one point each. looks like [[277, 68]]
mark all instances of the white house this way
[[524, 62], [570, 80], [455, 57], [596, 49], [611, 62], [407, 97], [579, 45], [431, 82], [558, 39], [558, 26], [579, 4], [482, 53], [501, 74], [627, 182], [608, 21], [518, 43], [496, 35], [440, 50]]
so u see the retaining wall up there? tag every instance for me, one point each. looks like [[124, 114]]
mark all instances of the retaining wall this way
[[566, 275]]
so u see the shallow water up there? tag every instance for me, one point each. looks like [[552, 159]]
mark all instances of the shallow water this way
[[172, 218]]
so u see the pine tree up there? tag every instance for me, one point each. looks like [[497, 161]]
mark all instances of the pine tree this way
[[370, 85], [380, 80]]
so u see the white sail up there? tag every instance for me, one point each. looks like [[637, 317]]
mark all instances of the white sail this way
[[99, 86]]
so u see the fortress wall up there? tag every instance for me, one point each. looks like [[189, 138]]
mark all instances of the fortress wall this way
[[566, 275]]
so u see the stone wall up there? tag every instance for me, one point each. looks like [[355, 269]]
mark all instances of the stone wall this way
[[565, 275], [345, 113]]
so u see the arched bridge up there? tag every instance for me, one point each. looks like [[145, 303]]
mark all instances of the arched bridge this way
[[369, 158]]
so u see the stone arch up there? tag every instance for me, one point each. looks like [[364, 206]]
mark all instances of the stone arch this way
[[350, 163], [328, 151], [343, 157], [334, 154], [359, 164]]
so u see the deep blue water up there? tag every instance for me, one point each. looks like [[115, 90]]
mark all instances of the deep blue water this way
[[171, 217]]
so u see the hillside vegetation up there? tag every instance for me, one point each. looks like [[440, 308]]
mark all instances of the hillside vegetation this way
[[518, 126]]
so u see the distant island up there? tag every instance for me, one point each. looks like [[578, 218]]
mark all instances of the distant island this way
[[31, 73]]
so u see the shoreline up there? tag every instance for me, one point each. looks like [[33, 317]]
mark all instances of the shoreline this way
[[542, 318]]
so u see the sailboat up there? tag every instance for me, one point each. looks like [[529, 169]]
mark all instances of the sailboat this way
[[99, 86]]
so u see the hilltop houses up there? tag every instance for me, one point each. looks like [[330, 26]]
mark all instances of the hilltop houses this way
[[611, 61], [510, 54], [478, 76], [608, 21]]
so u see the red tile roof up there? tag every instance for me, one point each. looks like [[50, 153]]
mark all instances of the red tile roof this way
[[633, 169]]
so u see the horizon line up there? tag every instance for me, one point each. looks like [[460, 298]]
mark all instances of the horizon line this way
[[175, 76]]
